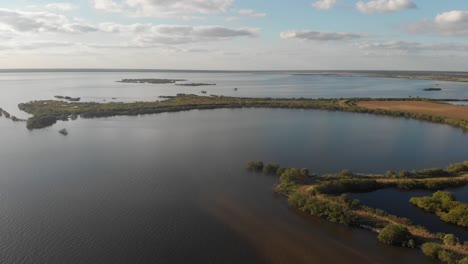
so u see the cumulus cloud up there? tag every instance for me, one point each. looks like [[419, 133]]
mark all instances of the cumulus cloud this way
[[450, 24], [107, 5], [179, 34], [251, 13], [384, 6], [61, 6], [324, 4], [320, 35], [164, 8], [32, 45], [40, 22]]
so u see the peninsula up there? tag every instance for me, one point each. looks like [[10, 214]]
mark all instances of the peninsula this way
[[48, 112]]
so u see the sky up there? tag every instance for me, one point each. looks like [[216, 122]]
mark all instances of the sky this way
[[235, 34]]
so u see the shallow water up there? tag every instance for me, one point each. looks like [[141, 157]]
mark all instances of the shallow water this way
[[172, 188], [396, 202]]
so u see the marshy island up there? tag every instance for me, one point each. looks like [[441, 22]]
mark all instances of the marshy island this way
[[326, 196]]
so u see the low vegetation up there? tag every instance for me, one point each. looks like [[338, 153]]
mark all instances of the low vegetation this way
[[432, 89], [152, 81], [195, 84], [325, 196], [7, 115], [68, 98], [396, 235], [45, 111], [445, 206]]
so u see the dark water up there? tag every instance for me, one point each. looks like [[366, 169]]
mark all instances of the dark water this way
[[172, 188], [397, 202]]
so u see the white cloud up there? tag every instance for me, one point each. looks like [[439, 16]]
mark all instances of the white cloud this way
[[231, 19], [107, 5], [125, 29], [324, 4], [21, 21], [251, 13], [32, 45], [177, 34], [449, 24], [384, 6], [183, 9], [61, 6], [320, 35]]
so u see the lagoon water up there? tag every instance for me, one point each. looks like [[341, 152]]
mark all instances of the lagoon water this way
[[172, 187]]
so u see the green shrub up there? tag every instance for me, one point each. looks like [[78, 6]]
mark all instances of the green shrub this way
[[322, 208], [292, 175], [280, 171], [431, 173], [411, 243], [347, 185], [396, 235], [255, 166], [430, 249], [390, 174], [404, 174], [458, 167], [345, 174], [445, 206], [271, 168], [450, 240], [447, 256]]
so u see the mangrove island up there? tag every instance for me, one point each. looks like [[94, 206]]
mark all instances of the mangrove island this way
[[326, 196]]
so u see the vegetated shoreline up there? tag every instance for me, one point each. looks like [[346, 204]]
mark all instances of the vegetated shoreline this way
[[416, 75], [177, 82], [444, 205], [152, 81], [7, 115], [48, 112], [195, 84], [325, 196], [68, 98]]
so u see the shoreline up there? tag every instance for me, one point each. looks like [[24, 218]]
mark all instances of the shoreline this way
[[47, 112]]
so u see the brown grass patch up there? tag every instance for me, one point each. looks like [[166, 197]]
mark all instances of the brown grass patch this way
[[421, 107]]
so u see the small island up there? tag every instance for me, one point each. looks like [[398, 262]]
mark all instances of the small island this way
[[68, 98], [64, 132], [445, 206], [432, 89], [9, 116], [195, 84], [152, 81], [326, 196]]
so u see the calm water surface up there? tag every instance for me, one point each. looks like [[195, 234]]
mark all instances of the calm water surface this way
[[397, 202], [172, 187]]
